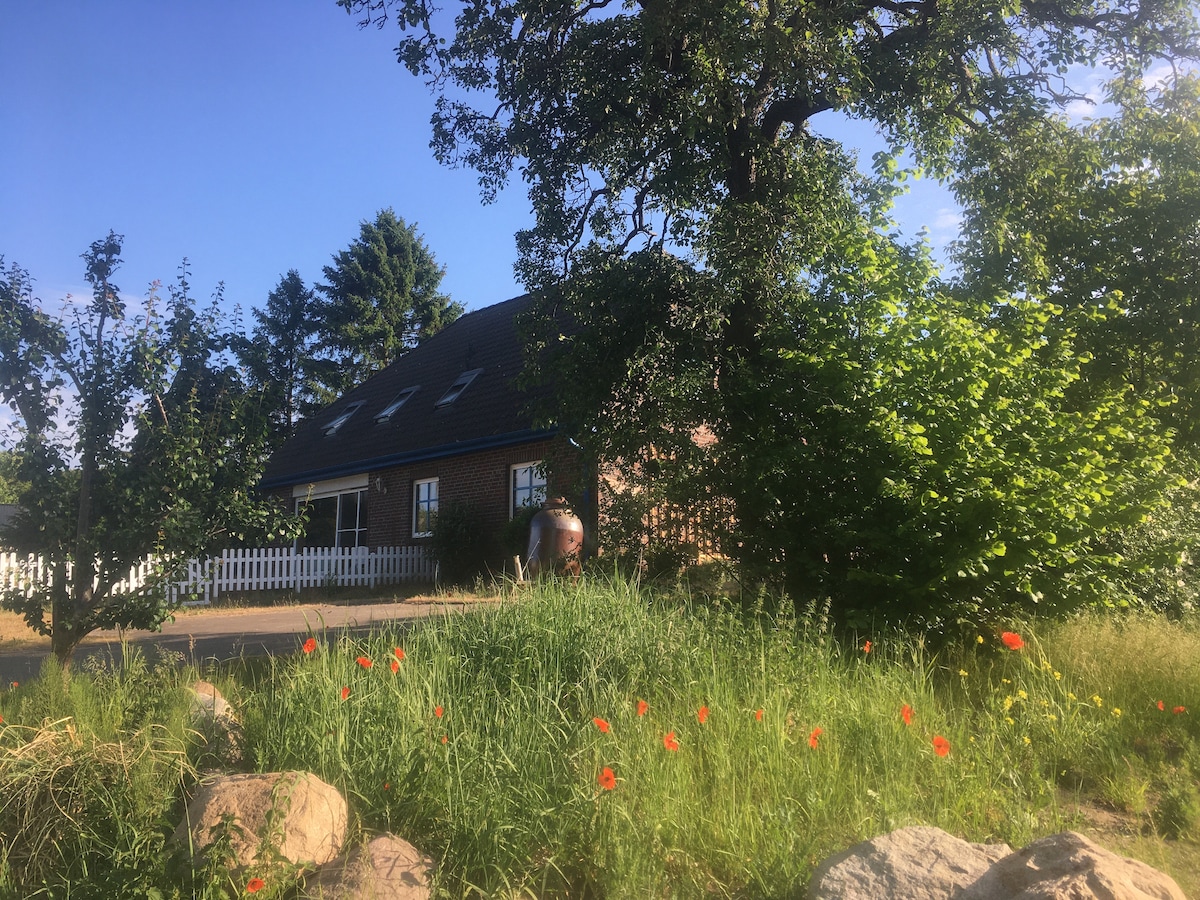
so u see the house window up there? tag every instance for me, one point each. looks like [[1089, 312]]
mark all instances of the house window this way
[[342, 419], [352, 520], [425, 506], [335, 521], [457, 388], [527, 486], [390, 409]]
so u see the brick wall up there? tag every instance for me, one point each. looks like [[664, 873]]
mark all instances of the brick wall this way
[[480, 479]]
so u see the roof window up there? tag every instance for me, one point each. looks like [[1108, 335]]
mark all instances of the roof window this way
[[390, 409], [457, 388], [342, 419]]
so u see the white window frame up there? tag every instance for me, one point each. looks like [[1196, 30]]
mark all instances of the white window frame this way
[[336, 489], [359, 531], [430, 503], [538, 480]]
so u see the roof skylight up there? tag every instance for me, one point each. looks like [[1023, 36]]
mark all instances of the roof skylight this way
[[458, 387], [390, 409], [342, 419]]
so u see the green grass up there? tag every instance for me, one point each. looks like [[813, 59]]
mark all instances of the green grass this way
[[502, 789]]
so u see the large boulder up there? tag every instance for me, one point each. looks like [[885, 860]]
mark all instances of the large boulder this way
[[387, 868], [914, 863], [291, 815], [1068, 866]]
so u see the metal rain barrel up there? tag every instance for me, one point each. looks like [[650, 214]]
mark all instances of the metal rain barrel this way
[[555, 540]]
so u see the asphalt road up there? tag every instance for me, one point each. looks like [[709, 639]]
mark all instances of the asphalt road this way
[[217, 635]]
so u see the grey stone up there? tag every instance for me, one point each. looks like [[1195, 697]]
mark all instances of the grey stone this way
[[294, 816], [1068, 866], [915, 863], [215, 721], [387, 868]]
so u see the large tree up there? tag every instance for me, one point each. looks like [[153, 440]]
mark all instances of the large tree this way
[[381, 299], [132, 445], [692, 127], [1102, 212], [281, 353]]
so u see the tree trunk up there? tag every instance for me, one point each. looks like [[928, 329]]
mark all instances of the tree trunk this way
[[64, 618]]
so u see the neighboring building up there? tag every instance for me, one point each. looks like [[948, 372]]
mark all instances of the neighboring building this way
[[443, 425]]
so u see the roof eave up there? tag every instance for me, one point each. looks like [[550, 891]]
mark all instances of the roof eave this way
[[458, 448]]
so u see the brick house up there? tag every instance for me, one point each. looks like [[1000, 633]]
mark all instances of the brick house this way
[[441, 426]]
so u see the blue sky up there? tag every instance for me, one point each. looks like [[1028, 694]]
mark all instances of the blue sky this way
[[250, 137]]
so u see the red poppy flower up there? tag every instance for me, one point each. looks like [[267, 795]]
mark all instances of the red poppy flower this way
[[941, 746], [364, 662], [758, 715], [669, 741], [867, 647], [643, 706], [601, 724], [254, 885], [702, 714], [1, 720], [345, 692], [1179, 709], [395, 666], [310, 645], [906, 714], [607, 779], [437, 711], [1011, 640], [399, 654], [813, 735], [1161, 706]]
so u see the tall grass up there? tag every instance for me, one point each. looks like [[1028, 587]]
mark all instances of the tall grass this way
[[91, 770], [487, 745], [510, 802]]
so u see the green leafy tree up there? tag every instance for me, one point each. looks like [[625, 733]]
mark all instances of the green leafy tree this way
[[692, 128], [381, 299], [127, 447], [11, 485], [281, 356], [1106, 213], [1101, 213]]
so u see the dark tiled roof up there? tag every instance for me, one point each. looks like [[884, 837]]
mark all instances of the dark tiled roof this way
[[488, 413]]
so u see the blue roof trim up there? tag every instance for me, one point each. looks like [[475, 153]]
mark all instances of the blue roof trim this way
[[492, 442]]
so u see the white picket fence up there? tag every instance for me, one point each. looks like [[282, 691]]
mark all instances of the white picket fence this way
[[261, 569]]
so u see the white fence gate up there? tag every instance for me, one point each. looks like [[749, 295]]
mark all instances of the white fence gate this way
[[262, 569]]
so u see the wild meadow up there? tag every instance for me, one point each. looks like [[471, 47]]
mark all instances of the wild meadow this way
[[593, 739]]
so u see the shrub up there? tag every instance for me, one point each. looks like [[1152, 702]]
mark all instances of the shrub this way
[[461, 543]]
